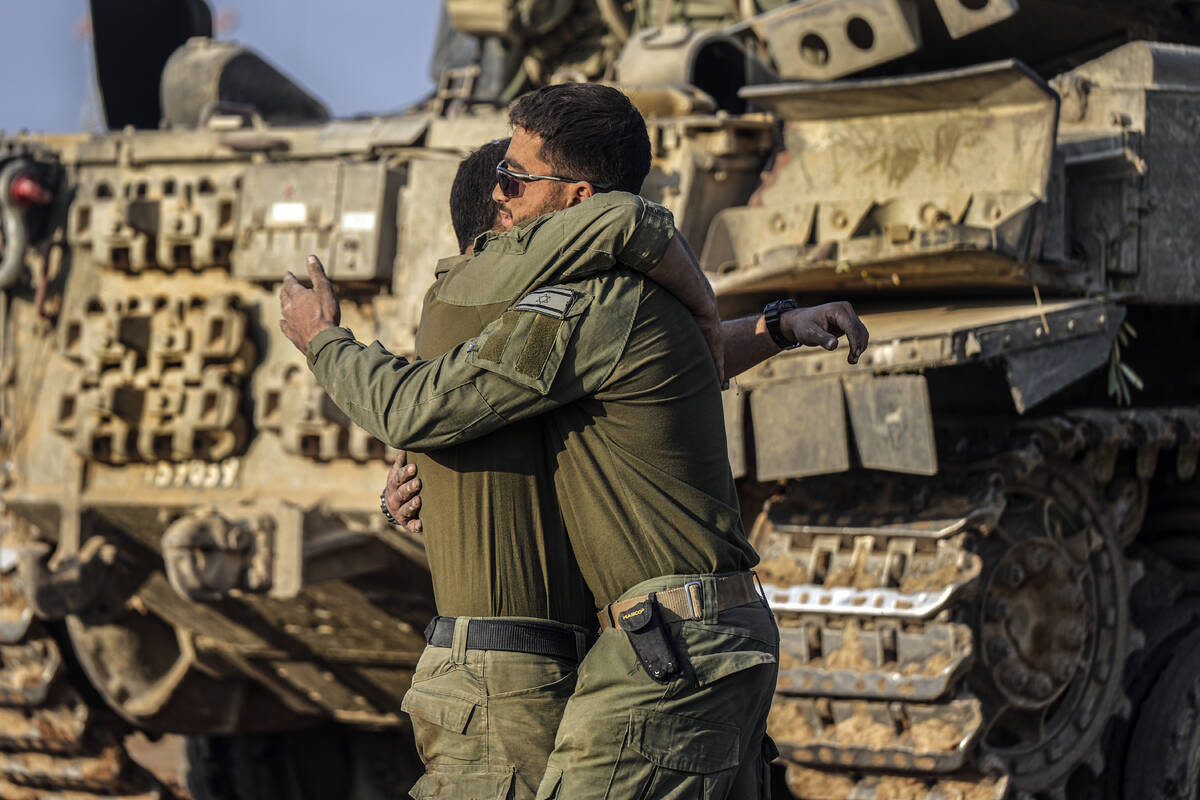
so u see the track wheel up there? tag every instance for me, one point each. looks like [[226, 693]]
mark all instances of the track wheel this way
[[1163, 761]]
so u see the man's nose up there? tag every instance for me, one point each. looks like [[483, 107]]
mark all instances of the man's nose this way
[[498, 195]]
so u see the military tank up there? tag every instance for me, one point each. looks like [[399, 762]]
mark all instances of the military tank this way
[[978, 540]]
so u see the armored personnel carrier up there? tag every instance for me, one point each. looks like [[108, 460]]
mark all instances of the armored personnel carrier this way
[[979, 540]]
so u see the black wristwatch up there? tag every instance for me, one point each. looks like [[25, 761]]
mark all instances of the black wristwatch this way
[[772, 314], [387, 512]]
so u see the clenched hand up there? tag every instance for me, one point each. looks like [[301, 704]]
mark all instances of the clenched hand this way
[[822, 326], [307, 312]]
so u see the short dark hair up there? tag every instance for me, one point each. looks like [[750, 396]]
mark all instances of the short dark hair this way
[[589, 132], [472, 209]]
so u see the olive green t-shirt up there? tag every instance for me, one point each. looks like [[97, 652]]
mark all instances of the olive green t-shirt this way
[[494, 535], [638, 437]]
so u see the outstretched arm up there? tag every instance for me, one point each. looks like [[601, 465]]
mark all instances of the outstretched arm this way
[[747, 342], [738, 345]]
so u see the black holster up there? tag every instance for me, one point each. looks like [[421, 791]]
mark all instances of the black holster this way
[[650, 639]]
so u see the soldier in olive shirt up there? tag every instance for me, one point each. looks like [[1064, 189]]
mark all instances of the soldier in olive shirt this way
[[635, 424], [484, 711]]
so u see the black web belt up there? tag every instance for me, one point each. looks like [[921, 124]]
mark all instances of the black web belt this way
[[514, 637]]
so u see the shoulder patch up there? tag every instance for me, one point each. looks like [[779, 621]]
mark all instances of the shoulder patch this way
[[553, 302]]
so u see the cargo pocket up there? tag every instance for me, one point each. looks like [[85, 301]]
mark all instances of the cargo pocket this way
[[713, 667], [442, 727], [668, 755], [451, 784]]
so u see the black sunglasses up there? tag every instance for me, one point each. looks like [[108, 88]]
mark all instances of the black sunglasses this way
[[510, 180]]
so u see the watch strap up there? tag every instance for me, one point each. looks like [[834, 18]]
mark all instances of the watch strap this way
[[772, 315]]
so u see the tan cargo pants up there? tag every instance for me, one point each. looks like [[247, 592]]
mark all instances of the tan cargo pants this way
[[700, 737], [484, 720]]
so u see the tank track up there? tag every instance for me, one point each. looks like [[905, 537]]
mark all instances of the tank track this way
[[964, 636], [53, 745]]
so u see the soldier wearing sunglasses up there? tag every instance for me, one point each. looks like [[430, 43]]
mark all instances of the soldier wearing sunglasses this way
[[626, 393]]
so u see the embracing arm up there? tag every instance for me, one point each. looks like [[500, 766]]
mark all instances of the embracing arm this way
[[603, 232], [423, 405], [553, 347], [679, 273]]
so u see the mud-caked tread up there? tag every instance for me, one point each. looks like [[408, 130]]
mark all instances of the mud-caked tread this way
[[1103, 461], [55, 746]]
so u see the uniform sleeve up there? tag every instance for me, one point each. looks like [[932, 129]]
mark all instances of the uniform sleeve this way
[[596, 235], [554, 346]]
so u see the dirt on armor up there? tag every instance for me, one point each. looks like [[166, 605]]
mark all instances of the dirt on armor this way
[[934, 734], [850, 655], [814, 784], [854, 575], [940, 578], [786, 722], [818, 785], [782, 571], [891, 788], [930, 666], [901, 789], [863, 730]]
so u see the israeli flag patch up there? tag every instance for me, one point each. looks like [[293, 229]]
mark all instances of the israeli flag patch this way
[[553, 302]]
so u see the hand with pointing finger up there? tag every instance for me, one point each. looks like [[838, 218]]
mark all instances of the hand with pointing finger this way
[[307, 312], [822, 326]]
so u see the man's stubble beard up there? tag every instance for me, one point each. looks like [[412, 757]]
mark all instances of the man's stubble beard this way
[[556, 200]]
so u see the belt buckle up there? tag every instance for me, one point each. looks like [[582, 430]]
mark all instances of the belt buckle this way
[[687, 590]]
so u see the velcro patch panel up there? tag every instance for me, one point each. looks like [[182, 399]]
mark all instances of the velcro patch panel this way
[[553, 302]]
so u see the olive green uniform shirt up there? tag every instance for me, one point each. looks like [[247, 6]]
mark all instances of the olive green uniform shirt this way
[[637, 436], [642, 472], [494, 535]]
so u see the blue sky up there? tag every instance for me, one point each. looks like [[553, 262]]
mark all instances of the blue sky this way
[[355, 55]]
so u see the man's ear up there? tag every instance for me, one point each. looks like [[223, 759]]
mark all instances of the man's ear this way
[[579, 192]]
